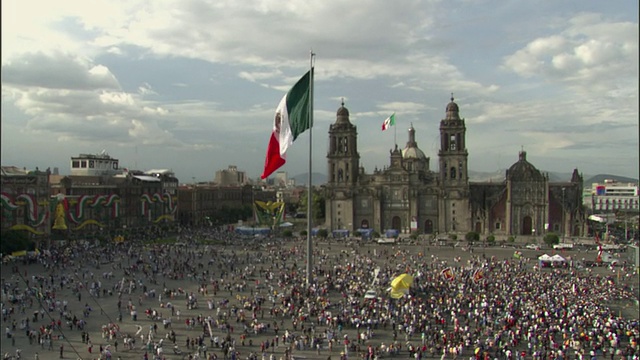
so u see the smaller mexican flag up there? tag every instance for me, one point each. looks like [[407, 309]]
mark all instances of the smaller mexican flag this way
[[388, 122]]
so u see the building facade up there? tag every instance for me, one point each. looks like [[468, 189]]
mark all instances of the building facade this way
[[231, 177], [612, 196], [407, 196], [96, 200]]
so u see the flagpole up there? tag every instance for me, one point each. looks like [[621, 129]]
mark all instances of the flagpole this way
[[395, 133], [309, 193]]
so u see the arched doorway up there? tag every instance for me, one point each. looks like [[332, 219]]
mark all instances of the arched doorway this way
[[527, 225], [428, 227], [396, 223], [479, 227], [364, 224]]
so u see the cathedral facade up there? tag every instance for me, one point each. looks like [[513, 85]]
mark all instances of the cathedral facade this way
[[408, 197]]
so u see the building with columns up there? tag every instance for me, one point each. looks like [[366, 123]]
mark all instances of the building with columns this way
[[408, 196]]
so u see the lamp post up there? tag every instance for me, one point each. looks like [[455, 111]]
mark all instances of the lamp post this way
[[563, 216]]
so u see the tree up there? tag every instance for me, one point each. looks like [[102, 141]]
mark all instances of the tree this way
[[472, 236], [551, 239], [323, 233], [317, 207], [303, 233], [491, 239], [511, 239], [287, 233]]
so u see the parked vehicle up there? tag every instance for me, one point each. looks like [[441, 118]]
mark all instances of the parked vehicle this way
[[563, 246]]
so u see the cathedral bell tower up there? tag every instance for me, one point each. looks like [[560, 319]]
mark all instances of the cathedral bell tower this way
[[343, 162], [343, 158], [454, 179]]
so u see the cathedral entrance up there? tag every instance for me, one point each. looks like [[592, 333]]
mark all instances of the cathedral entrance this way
[[479, 227], [428, 227], [527, 225], [396, 223]]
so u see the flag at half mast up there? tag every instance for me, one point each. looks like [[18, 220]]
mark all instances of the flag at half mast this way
[[388, 122], [291, 119]]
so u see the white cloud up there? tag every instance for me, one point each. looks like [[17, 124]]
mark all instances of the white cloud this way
[[202, 78]]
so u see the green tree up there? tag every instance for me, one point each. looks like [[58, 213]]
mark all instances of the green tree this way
[[511, 239], [287, 233], [323, 233], [491, 239], [15, 240], [303, 233], [551, 239], [472, 236], [317, 206], [453, 237]]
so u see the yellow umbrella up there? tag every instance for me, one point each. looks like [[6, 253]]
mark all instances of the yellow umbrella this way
[[397, 294], [402, 282]]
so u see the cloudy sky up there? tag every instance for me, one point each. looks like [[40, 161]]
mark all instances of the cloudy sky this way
[[192, 85]]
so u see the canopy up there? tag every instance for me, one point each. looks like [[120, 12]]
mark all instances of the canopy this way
[[557, 258], [245, 230], [340, 233], [286, 224], [544, 257], [391, 233], [365, 232]]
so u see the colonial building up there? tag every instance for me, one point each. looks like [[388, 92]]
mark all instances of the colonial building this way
[[407, 196], [25, 200]]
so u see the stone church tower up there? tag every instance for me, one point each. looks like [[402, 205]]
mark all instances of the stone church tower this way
[[343, 161], [454, 179]]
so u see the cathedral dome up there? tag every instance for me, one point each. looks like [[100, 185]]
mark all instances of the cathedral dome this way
[[523, 170], [342, 116], [413, 153], [411, 150], [342, 111], [453, 112]]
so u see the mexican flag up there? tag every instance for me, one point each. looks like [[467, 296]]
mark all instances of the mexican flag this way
[[291, 119], [388, 122]]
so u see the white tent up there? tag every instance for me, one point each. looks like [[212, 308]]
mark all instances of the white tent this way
[[544, 257], [286, 224], [557, 258]]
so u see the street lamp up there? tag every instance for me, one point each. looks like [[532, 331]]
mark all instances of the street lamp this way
[[563, 216]]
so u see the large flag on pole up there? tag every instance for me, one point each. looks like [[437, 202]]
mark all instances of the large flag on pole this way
[[388, 122], [291, 119]]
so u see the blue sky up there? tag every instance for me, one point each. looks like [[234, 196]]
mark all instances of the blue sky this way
[[192, 85]]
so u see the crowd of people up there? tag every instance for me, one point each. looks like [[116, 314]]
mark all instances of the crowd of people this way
[[215, 295]]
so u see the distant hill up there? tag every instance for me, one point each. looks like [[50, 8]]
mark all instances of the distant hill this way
[[316, 179], [600, 178], [495, 176]]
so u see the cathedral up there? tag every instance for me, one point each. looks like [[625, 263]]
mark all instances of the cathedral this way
[[407, 196]]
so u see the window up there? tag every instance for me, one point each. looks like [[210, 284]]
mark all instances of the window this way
[[497, 226], [452, 142], [75, 164]]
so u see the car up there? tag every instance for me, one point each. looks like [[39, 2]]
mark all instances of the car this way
[[533, 247], [370, 294], [563, 246]]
